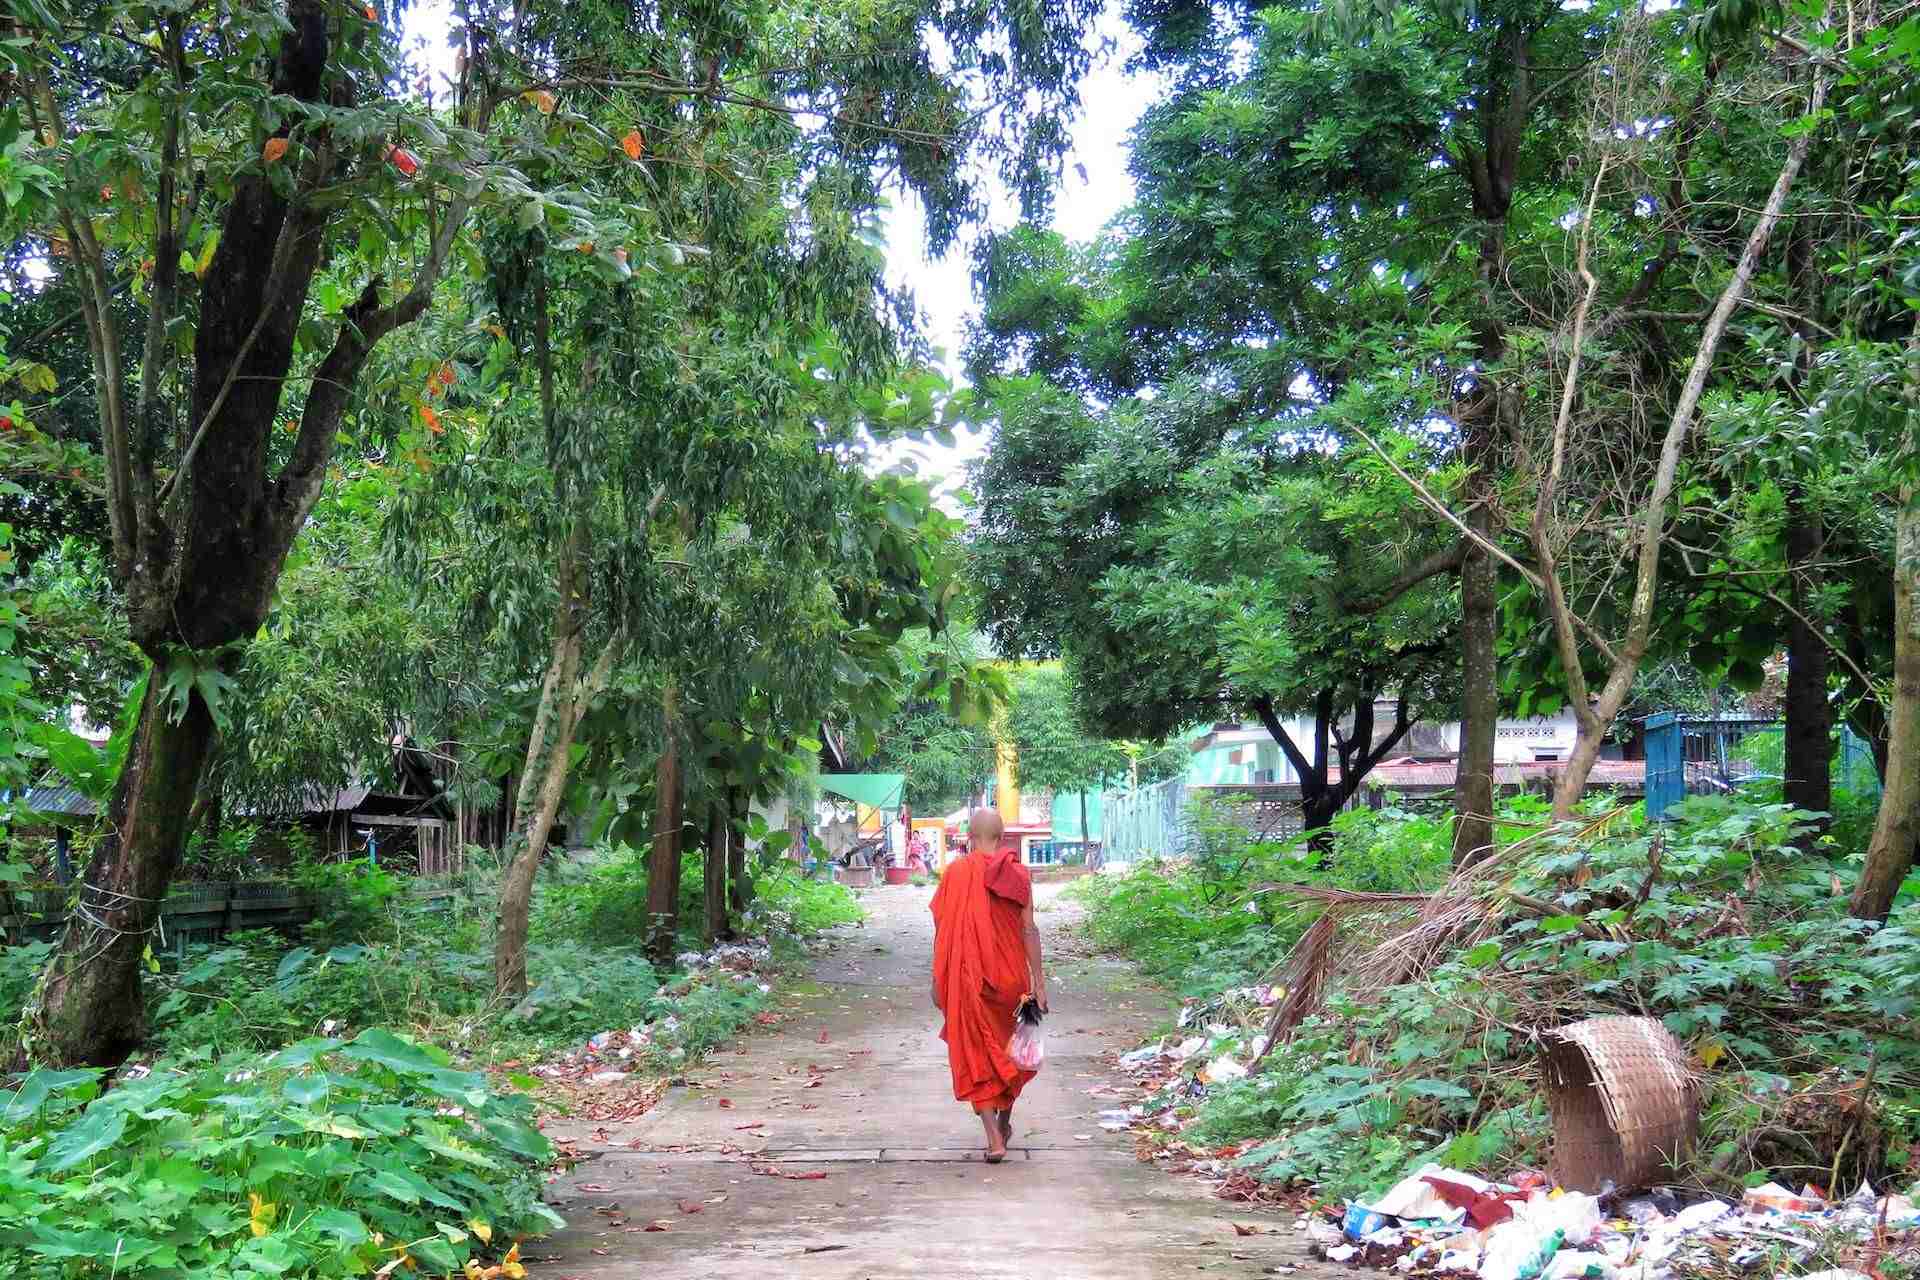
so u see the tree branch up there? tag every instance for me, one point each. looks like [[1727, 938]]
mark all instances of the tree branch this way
[[1432, 566], [1263, 707], [1485, 543], [1558, 609]]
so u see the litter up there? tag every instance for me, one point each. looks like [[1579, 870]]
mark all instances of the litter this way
[[1773, 1196]]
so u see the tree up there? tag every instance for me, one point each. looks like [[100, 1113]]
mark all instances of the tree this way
[[1052, 750], [940, 742], [1189, 564], [260, 177]]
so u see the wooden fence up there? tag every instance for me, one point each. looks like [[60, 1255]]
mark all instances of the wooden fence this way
[[198, 912]]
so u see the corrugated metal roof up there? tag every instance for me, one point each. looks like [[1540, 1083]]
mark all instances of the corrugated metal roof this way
[[66, 801]]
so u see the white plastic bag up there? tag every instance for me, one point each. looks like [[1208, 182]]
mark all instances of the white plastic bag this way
[[1028, 1048]]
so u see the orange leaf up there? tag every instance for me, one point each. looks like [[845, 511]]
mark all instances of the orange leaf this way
[[543, 100], [445, 374], [432, 419], [586, 246], [403, 160], [633, 144], [275, 148]]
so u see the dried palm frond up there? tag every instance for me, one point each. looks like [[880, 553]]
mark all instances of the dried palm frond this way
[[1465, 910]]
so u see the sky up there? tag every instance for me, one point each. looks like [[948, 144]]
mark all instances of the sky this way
[[1095, 188]]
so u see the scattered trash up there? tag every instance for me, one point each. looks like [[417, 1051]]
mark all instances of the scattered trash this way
[[1224, 1068], [1437, 1220]]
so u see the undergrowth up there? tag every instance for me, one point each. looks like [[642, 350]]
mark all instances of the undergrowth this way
[[327, 1159], [314, 1106], [1198, 925], [1723, 924]]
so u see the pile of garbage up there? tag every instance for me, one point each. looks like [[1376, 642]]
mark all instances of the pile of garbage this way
[[1439, 1221], [1216, 1040]]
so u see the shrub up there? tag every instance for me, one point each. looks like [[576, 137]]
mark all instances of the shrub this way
[[1716, 923], [787, 902], [352, 901], [327, 1159]]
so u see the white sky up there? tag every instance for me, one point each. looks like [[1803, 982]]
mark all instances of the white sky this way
[[943, 287]]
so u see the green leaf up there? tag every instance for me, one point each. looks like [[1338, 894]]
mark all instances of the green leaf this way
[[1560, 924], [1435, 1089], [98, 1128], [307, 1090], [39, 1086], [345, 1227], [388, 1183]]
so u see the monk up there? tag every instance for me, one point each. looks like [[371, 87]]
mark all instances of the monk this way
[[986, 960]]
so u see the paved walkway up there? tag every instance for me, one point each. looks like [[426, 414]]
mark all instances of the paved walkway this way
[[829, 1146]]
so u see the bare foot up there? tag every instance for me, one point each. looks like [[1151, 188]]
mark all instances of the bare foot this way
[[996, 1136], [1006, 1126]]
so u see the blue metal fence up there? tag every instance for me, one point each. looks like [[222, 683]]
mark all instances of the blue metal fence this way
[[1719, 755]]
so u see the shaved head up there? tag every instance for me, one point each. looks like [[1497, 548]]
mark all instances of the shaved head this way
[[984, 828]]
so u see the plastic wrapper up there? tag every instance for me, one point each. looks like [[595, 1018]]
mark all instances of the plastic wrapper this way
[[1028, 1048]]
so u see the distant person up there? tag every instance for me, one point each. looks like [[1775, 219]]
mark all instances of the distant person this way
[[986, 960]]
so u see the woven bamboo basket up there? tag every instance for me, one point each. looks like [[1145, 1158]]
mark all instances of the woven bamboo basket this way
[[1624, 1100]]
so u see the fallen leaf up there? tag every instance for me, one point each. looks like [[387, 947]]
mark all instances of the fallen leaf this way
[[1242, 1229], [727, 1103], [592, 1186], [690, 1206], [769, 1171], [824, 1037], [752, 1124]]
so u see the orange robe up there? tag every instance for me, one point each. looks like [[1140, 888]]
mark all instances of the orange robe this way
[[980, 973]]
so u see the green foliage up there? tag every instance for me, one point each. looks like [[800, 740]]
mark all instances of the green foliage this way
[[1715, 923], [1054, 750], [352, 901], [945, 750], [602, 899], [328, 1159], [788, 904]]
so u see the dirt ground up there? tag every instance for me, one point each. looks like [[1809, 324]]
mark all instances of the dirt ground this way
[[829, 1146]]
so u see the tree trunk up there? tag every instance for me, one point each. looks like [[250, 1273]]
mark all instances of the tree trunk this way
[[541, 785], [1479, 693], [714, 864], [1808, 752], [89, 1010], [739, 870], [1890, 852], [663, 862], [543, 782], [1086, 835]]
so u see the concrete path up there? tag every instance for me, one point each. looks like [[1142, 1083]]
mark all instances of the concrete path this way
[[829, 1146]]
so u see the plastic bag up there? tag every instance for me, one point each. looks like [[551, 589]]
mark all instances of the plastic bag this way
[[1028, 1048]]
